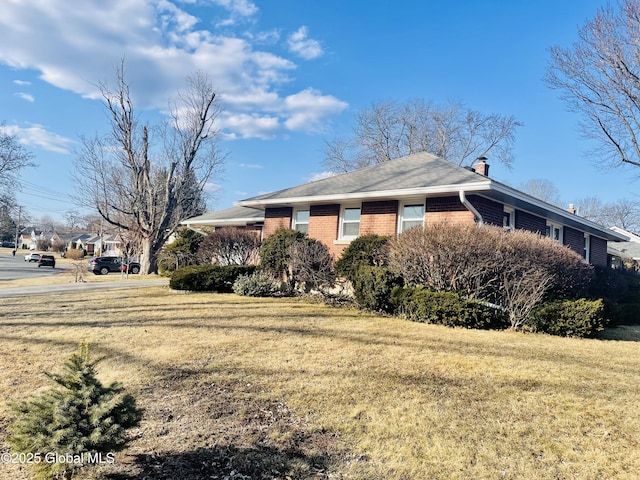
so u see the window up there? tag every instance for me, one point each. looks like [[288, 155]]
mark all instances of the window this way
[[508, 218], [350, 225], [587, 245], [411, 216], [554, 232], [301, 221]]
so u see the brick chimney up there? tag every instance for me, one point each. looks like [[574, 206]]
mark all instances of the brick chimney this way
[[482, 167]]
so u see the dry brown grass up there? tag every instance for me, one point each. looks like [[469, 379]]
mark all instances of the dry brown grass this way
[[268, 388]]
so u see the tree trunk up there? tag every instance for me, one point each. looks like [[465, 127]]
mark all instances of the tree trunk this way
[[149, 259]]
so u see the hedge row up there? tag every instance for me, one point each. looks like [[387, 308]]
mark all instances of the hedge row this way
[[208, 278]]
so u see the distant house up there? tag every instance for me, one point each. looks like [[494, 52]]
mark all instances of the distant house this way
[[411, 191], [28, 238], [625, 254]]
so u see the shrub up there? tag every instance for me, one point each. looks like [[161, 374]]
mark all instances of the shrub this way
[[208, 278], [275, 252], [230, 246], [311, 264], [570, 318], [446, 308], [372, 287], [516, 270], [77, 416], [74, 254], [181, 252], [367, 250], [258, 284]]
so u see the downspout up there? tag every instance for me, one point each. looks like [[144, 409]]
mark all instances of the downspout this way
[[471, 208]]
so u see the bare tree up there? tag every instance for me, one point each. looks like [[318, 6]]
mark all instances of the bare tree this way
[[230, 246], [389, 130], [13, 158], [599, 78], [542, 189], [147, 191], [624, 213]]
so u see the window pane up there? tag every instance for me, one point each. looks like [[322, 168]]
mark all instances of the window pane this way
[[302, 227], [352, 214], [409, 224], [302, 216], [351, 229], [413, 212]]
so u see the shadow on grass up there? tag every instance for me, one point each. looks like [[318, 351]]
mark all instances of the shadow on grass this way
[[229, 462]]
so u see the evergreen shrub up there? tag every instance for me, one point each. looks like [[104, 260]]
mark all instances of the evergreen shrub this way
[[372, 287], [77, 418], [258, 284], [365, 251], [208, 278], [570, 318], [447, 308]]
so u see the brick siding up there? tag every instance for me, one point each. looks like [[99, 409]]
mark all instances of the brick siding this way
[[530, 222], [379, 217], [446, 209], [323, 226], [275, 219]]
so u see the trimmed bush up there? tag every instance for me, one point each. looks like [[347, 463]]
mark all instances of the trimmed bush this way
[[256, 285], [275, 252], [74, 254], [365, 251], [208, 278], [372, 287], [447, 308], [570, 318]]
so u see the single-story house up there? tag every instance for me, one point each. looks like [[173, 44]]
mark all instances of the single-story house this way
[[415, 190], [625, 254], [238, 217]]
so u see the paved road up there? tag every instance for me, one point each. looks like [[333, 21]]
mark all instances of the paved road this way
[[75, 287], [15, 268]]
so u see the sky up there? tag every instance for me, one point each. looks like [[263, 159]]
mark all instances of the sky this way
[[291, 75]]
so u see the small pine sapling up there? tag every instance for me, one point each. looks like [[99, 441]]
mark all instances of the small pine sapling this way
[[75, 423]]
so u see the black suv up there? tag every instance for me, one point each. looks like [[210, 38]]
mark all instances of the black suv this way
[[47, 261], [104, 265]]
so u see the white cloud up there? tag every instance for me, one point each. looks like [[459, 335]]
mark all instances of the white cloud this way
[[25, 96], [303, 46], [162, 42], [21, 82], [307, 109], [253, 166], [320, 176], [37, 136]]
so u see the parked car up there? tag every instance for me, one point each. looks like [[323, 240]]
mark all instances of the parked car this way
[[47, 261], [32, 257], [104, 265]]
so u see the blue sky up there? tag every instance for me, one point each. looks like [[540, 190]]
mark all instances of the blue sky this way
[[291, 75]]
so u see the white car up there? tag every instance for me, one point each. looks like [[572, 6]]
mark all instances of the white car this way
[[32, 257]]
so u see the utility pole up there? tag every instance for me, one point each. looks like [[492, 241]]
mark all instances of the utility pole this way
[[15, 244]]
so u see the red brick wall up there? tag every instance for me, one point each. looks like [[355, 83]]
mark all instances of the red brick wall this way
[[379, 217], [533, 223], [446, 209], [275, 219], [598, 252], [323, 226]]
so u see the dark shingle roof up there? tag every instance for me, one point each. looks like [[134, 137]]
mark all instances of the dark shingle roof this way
[[239, 215]]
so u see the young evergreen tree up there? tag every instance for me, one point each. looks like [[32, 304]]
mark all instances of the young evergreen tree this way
[[75, 423]]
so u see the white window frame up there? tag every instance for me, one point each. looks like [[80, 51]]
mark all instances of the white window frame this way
[[510, 213], [295, 223], [344, 208], [587, 248], [402, 219], [552, 227]]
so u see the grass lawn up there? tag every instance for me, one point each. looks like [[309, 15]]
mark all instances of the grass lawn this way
[[243, 388]]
